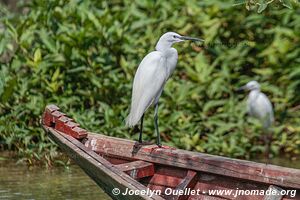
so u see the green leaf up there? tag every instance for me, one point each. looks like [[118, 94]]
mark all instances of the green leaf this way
[[262, 7], [287, 3], [3, 43], [37, 56], [239, 2], [47, 40], [55, 74], [8, 90]]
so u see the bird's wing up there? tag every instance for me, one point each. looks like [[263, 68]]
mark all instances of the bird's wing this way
[[264, 110], [149, 80]]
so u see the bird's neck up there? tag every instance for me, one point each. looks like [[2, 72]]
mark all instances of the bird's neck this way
[[163, 45], [254, 93], [255, 90]]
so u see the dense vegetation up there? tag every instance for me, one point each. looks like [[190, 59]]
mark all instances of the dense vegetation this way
[[82, 56]]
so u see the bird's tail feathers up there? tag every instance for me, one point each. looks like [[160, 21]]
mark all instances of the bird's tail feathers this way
[[132, 119], [137, 110]]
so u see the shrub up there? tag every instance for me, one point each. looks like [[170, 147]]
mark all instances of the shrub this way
[[82, 56]]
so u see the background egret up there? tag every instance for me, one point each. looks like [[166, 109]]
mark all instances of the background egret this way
[[258, 104], [260, 107], [150, 78]]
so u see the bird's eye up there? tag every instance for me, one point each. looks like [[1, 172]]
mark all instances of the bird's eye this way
[[174, 36]]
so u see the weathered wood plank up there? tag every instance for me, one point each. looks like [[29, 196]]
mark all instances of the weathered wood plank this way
[[105, 174], [228, 189], [204, 197], [52, 117], [137, 169], [188, 182], [241, 169], [164, 180]]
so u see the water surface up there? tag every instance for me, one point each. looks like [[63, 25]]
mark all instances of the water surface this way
[[21, 182]]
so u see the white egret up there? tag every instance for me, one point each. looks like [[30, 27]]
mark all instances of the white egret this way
[[258, 104], [150, 78], [260, 107]]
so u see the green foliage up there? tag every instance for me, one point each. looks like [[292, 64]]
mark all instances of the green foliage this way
[[82, 56], [261, 5]]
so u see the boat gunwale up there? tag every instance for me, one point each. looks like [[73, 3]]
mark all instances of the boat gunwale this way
[[288, 177]]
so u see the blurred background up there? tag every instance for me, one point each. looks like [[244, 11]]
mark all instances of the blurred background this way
[[82, 56]]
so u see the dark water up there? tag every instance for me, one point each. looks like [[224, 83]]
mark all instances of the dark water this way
[[21, 182]]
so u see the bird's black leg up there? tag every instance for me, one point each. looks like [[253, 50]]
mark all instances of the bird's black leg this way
[[156, 125], [267, 141], [141, 130]]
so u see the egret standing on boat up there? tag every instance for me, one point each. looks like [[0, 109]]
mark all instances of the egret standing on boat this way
[[150, 78], [258, 104]]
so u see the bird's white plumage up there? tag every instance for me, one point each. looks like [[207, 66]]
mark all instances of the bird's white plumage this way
[[151, 76], [259, 106], [149, 81]]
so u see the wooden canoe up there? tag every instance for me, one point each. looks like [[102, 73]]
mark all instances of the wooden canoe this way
[[150, 172]]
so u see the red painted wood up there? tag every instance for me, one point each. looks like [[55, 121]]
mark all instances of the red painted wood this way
[[171, 171], [52, 117], [116, 161], [165, 180], [137, 169], [56, 115], [241, 169], [174, 168], [156, 187], [61, 122], [204, 197], [70, 125], [47, 116], [47, 119], [205, 187], [78, 133], [208, 182], [104, 173], [188, 182], [51, 108]]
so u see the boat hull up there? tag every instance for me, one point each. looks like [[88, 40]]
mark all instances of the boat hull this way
[[167, 172]]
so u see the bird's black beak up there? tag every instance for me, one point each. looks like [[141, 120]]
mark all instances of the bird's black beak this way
[[241, 89], [190, 38]]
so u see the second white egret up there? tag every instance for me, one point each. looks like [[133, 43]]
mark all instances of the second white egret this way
[[258, 104], [260, 107], [150, 78]]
